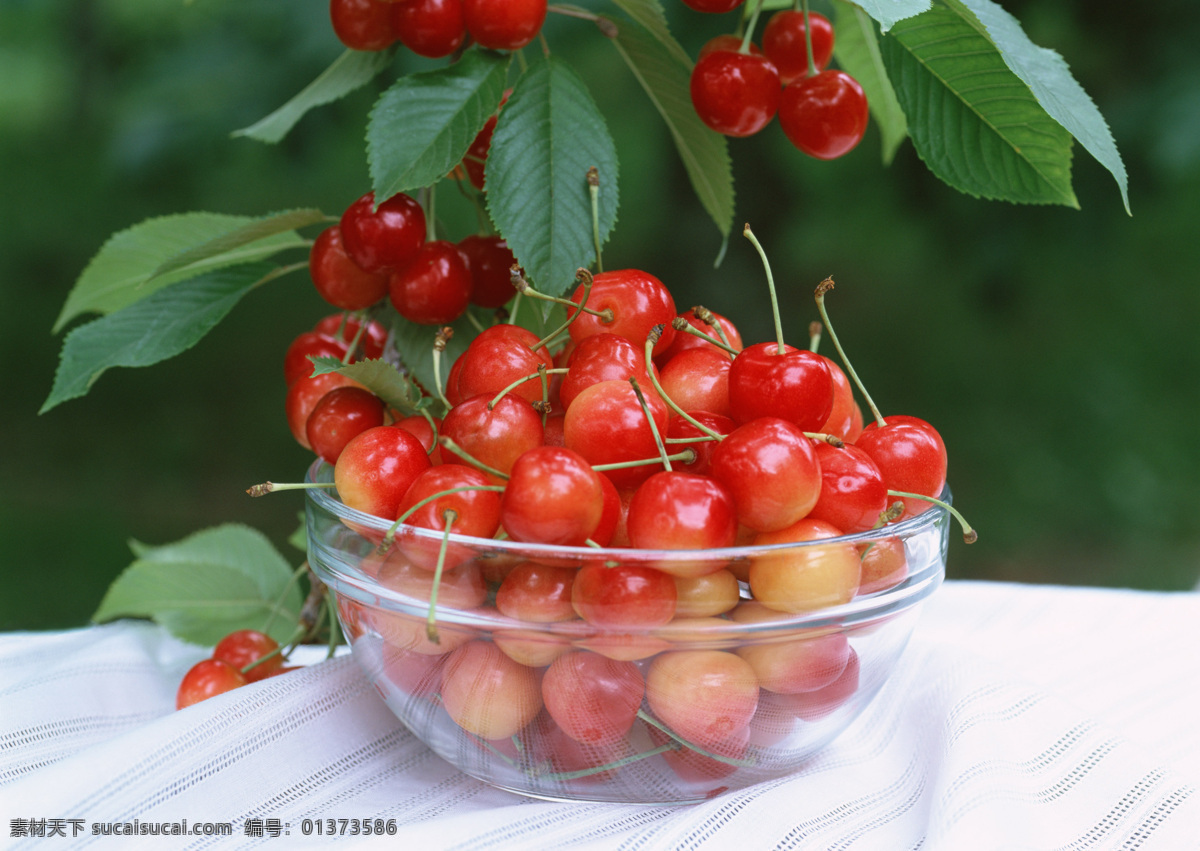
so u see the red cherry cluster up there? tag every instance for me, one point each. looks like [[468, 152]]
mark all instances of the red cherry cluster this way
[[436, 28], [244, 656], [738, 88]]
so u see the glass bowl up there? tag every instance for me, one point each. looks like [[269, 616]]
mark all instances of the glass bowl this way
[[587, 710]]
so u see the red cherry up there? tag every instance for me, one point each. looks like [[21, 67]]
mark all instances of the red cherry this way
[[736, 94], [703, 445], [638, 302], [340, 415], [340, 280], [504, 24], [207, 679], [384, 238], [376, 469], [794, 385], [431, 28], [911, 456], [489, 260], [500, 355], [537, 592], [435, 288], [606, 425], [425, 432], [477, 510], [602, 357], [495, 435], [824, 116], [684, 341], [303, 395], [771, 469], [841, 421], [698, 380], [593, 699], [713, 7], [853, 494], [624, 595], [553, 496], [309, 344], [245, 647], [672, 510], [362, 24], [783, 41], [344, 328]]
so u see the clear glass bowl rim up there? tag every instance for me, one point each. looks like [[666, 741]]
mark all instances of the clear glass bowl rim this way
[[861, 610]]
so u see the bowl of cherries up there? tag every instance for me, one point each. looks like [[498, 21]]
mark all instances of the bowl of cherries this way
[[646, 563]]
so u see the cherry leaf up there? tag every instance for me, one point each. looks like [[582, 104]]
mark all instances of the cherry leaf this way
[[380, 377]]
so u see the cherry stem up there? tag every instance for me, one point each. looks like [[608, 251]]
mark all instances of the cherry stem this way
[[728, 760], [832, 439], [448, 443], [658, 441], [814, 335], [523, 286], [433, 427], [745, 48], [682, 325], [651, 339], [449, 515], [749, 234], [390, 537], [687, 456], [582, 276], [812, 62], [270, 487], [358, 335], [593, 182], [541, 373], [278, 651], [893, 512], [822, 288], [439, 346], [970, 536], [287, 589], [609, 766], [430, 213], [709, 318]]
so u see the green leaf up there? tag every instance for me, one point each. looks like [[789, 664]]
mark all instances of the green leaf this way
[[651, 16], [420, 128], [161, 326], [856, 49], [352, 70], [120, 273], [888, 12], [236, 239], [547, 137], [705, 154], [1050, 80], [377, 375], [973, 122], [414, 343], [207, 585]]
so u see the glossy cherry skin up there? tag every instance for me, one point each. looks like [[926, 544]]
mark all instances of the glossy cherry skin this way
[[302, 397], [624, 595], [707, 697], [362, 24], [678, 427], [376, 469], [638, 301], [735, 94], [842, 420], [825, 116], [309, 344], [771, 469], [344, 328], [672, 510], [698, 380], [794, 385], [487, 693], [434, 288], [384, 238], [593, 699], [602, 357], [504, 24], [500, 355], [806, 578], [245, 647], [476, 509], [495, 435], [538, 593], [910, 455], [552, 497], [340, 415], [206, 679], [340, 280], [853, 494], [489, 260], [430, 28], [607, 425], [784, 42]]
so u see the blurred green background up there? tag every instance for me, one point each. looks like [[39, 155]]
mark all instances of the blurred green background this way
[[1055, 349]]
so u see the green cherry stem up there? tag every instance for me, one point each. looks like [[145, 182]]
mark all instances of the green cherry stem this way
[[812, 63], [745, 48], [687, 456], [271, 487], [609, 766], [970, 536], [582, 276], [540, 374], [390, 537], [448, 443], [658, 441], [728, 760], [651, 339], [439, 347], [706, 316], [681, 324], [449, 515], [749, 234], [593, 182], [822, 288], [814, 335]]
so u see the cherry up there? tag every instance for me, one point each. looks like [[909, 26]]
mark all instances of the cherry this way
[[910, 455], [435, 287], [500, 355], [793, 664], [684, 341], [489, 260], [362, 24], [338, 416], [309, 344], [638, 301], [430, 28], [593, 699], [552, 497], [414, 674], [706, 697], [376, 469], [825, 115], [682, 511], [343, 328], [845, 417], [245, 647], [504, 24], [804, 578], [537, 593], [706, 596], [475, 158], [771, 469], [784, 42], [713, 7], [206, 679], [607, 425], [733, 93], [698, 441], [884, 564], [475, 506], [383, 238], [494, 435], [853, 494], [697, 379], [623, 595], [425, 431], [773, 380], [601, 357], [487, 693], [814, 705], [613, 515], [302, 397], [338, 279]]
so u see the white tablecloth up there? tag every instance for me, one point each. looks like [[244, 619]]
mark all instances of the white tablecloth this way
[[1020, 717]]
